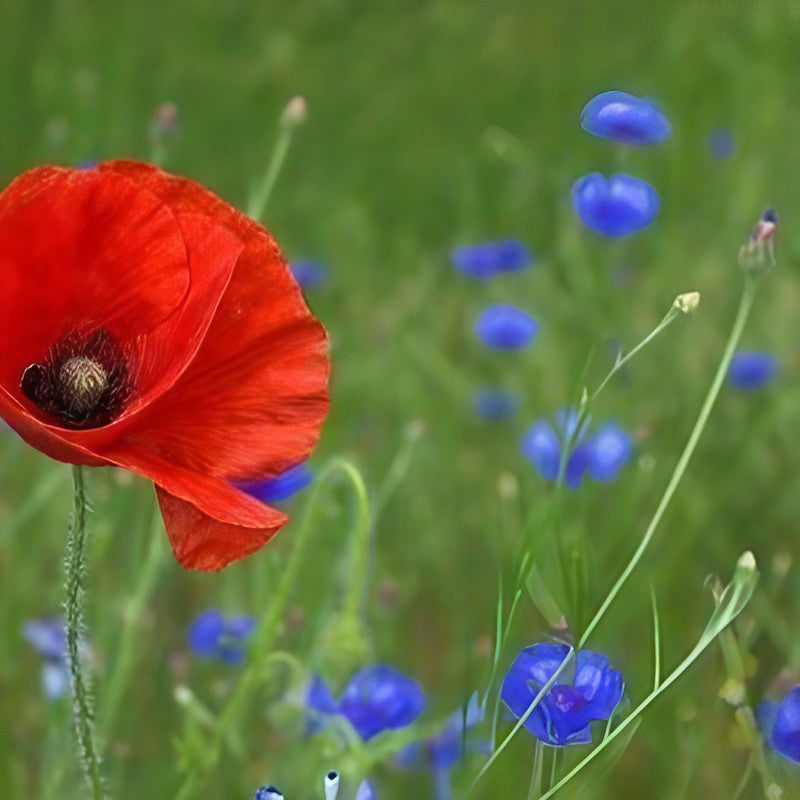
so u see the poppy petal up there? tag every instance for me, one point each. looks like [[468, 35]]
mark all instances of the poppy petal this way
[[201, 542], [252, 402], [62, 232]]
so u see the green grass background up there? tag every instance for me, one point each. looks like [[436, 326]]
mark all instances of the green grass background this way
[[430, 125]]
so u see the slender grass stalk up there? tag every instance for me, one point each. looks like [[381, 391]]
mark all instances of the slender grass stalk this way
[[132, 614], [268, 627], [74, 587], [737, 595], [740, 320], [293, 115], [656, 641]]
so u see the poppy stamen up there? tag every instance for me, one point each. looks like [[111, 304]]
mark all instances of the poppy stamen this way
[[83, 380]]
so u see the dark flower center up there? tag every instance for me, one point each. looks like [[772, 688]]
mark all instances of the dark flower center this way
[[84, 380]]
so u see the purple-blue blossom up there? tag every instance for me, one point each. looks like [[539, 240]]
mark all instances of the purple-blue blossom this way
[[751, 369], [722, 143], [602, 455], [495, 404], [212, 635], [615, 206], [486, 259], [47, 637], [780, 724], [377, 698], [505, 327], [281, 487], [625, 118], [268, 793], [589, 689]]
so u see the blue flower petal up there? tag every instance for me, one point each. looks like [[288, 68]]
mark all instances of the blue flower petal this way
[[366, 791], [625, 118], [786, 728], [205, 632], [280, 487], [577, 464], [601, 686], [268, 793], [55, 679], [46, 636], [751, 369], [616, 206], [309, 274], [610, 449], [541, 446], [240, 626], [378, 698], [506, 327]]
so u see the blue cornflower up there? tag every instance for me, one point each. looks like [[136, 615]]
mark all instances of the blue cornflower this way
[[48, 638], [589, 692], [780, 724], [211, 635], [602, 455], [377, 698], [494, 404], [280, 487], [505, 327], [268, 793], [722, 143], [751, 369], [615, 206], [309, 274], [487, 259], [625, 118]]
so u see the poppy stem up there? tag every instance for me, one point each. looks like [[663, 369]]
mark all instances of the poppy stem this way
[[74, 586]]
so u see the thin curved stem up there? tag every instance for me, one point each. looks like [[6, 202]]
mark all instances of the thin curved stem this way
[[74, 586]]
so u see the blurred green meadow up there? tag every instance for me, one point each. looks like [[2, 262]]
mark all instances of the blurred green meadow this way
[[429, 126]]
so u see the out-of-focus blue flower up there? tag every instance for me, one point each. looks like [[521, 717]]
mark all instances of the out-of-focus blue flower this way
[[589, 692], [377, 698], [268, 793], [610, 448], [751, 369], [505, 327], [722, 143], [615, 206], [366, 791], [602, 455], [780, 724], [47, 637], [309, 274], [495, 404], [281, 487], [443, 751], [625, 118], [87, 164], [487, 259], [211, 635]]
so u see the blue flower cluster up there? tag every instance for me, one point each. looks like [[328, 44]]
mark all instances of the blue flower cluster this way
[[486, 259], [211, 635], [309, 274], [621, 204], [501, 326], [602, 455], [591, 691]]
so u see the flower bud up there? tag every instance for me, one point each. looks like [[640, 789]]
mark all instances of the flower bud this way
[[687, 302], [295, 112]]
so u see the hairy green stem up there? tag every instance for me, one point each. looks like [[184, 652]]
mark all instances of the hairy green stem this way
[[74, 586]]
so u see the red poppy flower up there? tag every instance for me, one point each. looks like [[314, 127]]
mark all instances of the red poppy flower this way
[[147, 324]]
